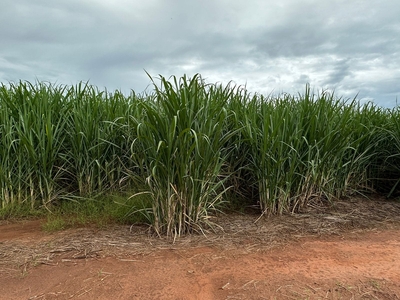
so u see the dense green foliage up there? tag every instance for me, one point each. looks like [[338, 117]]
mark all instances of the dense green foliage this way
[[190, 146]]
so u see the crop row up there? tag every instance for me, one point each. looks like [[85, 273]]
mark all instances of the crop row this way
[[191, 146]]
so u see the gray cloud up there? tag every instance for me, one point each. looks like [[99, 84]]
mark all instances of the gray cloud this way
[[349, 46]]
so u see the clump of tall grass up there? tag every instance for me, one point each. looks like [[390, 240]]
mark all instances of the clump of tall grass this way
[[180, 152], [59, 141], [31, 135], [385, 171], [94, 144], [298, 148]]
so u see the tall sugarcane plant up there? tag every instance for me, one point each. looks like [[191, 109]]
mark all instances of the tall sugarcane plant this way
[[180, 151], [32, 135], [59, 141], [302, 147]]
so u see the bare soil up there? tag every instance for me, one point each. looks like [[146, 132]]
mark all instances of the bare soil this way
[[350, 250]]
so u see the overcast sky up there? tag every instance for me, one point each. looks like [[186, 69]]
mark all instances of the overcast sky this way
[[351, 46]]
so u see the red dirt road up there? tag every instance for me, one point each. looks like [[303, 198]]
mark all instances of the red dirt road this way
[[362, 264]]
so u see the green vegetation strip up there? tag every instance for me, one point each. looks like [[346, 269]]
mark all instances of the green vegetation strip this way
[[183, 151]]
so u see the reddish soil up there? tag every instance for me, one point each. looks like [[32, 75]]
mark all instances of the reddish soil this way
[[287, 257]]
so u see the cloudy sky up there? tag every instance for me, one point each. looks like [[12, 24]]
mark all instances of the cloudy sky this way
[[351, 46]]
